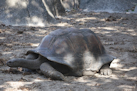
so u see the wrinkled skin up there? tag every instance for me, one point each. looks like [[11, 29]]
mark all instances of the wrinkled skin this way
[[38, 63]]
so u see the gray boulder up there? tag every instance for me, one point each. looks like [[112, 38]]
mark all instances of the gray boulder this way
[[107, 5], [70, 4], [135, 10], [30, 12]]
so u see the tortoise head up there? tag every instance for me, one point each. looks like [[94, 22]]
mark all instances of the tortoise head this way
[[25, 63], [14, 63]]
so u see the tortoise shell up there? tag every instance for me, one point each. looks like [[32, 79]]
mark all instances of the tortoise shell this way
[[79, 49]]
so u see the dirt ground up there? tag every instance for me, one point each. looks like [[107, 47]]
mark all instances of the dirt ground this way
[[117, 31]]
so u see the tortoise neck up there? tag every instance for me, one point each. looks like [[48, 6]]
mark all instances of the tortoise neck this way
[[28, 63]]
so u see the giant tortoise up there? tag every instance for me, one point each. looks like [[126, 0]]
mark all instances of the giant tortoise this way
[[70, 51]]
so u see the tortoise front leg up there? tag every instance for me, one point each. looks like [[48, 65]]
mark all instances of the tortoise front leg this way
[[31, 56], [50, 72]]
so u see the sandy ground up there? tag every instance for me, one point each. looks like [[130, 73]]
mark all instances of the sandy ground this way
[[118, 33]]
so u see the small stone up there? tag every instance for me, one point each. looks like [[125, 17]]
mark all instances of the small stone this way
[[1, 61], [20, 32], [22, 79], [14, 71], [26, 73], [111, 18]]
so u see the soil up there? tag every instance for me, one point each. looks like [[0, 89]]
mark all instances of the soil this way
[[117, 31]]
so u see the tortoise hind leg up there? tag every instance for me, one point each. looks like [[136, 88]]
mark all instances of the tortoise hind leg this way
[[106, 70], [49, 71]]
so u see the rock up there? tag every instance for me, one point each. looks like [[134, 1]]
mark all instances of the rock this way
[[14, 71], [20, 32], [2, 60], [107, 5], [111, 18], [135, 10], [71, 4], [30, 12]]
